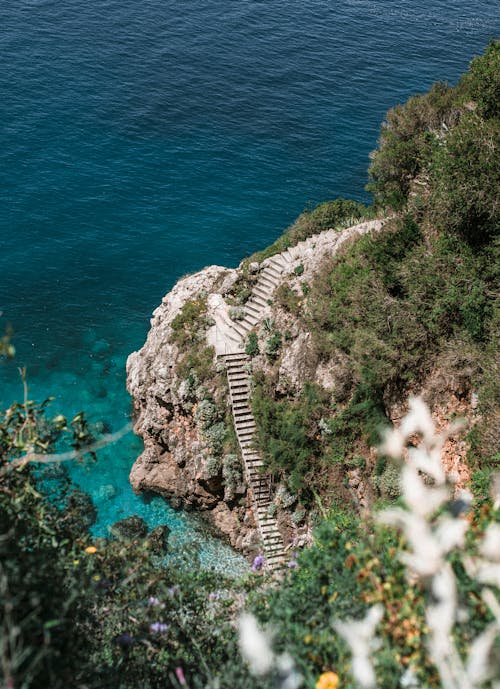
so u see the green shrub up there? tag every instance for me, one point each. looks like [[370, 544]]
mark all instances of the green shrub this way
[[288, 299], [188, 327], [408, 139], [252, 345], [215, 437], [482, 82], [232, 474], [206, 414], [329, 214], [466, 178], [237, 313], [273, 345]]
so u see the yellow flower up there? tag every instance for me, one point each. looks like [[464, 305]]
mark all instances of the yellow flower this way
[[328, 680], [76, 562], [91, 549]]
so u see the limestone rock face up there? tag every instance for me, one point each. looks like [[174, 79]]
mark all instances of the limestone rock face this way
[[174, 461]]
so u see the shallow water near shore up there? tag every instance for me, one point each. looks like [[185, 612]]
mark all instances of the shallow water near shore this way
[[141, 142]]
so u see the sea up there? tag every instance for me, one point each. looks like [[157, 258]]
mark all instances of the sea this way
[[140, 141]]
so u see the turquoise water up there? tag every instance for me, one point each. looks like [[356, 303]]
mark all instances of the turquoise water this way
[[141, 141]]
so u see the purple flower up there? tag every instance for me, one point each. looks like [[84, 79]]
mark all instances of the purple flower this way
[[153, 600], [214, 595], [158, 628], [258, 563], [124, 640], [293, 563], [173, 590], [179, 673]]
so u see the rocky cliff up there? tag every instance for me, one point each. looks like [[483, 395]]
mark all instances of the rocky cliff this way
[[181, 398]]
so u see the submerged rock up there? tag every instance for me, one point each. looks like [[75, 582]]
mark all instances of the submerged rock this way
[[130, 528]]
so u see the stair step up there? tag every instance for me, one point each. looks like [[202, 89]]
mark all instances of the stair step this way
[[237, 372], [242, 422], [242, 413], [236, 376], [269, 529], [240, 328], [273, 548], [271, 272], [245, 426], [252, 317], [232, 366], [235, 385], [241, 407], [235, 355], [277, 261], [262, 291], [244, 417], [265, 284], [251, 327], [272, 535], [252, 309]]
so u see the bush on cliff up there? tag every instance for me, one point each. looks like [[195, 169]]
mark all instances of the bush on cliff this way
[[326, 215], [392, 305]]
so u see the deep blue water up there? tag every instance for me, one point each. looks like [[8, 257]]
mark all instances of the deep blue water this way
[[143, 140]]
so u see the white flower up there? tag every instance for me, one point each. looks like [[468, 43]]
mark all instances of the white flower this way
[[490, 546], [393, 444], [450, 533], [418, 420], [359, 635], [409, 680], [441, 615], [428, 461], [479, 668], [426, 558], [286, 667], [255, 645], [486, 569], [421, 499]]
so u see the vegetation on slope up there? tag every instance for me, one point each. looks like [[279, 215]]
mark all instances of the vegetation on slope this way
[[418, 296]]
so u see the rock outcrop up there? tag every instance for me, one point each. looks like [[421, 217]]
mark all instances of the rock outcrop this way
[[181, 400]]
